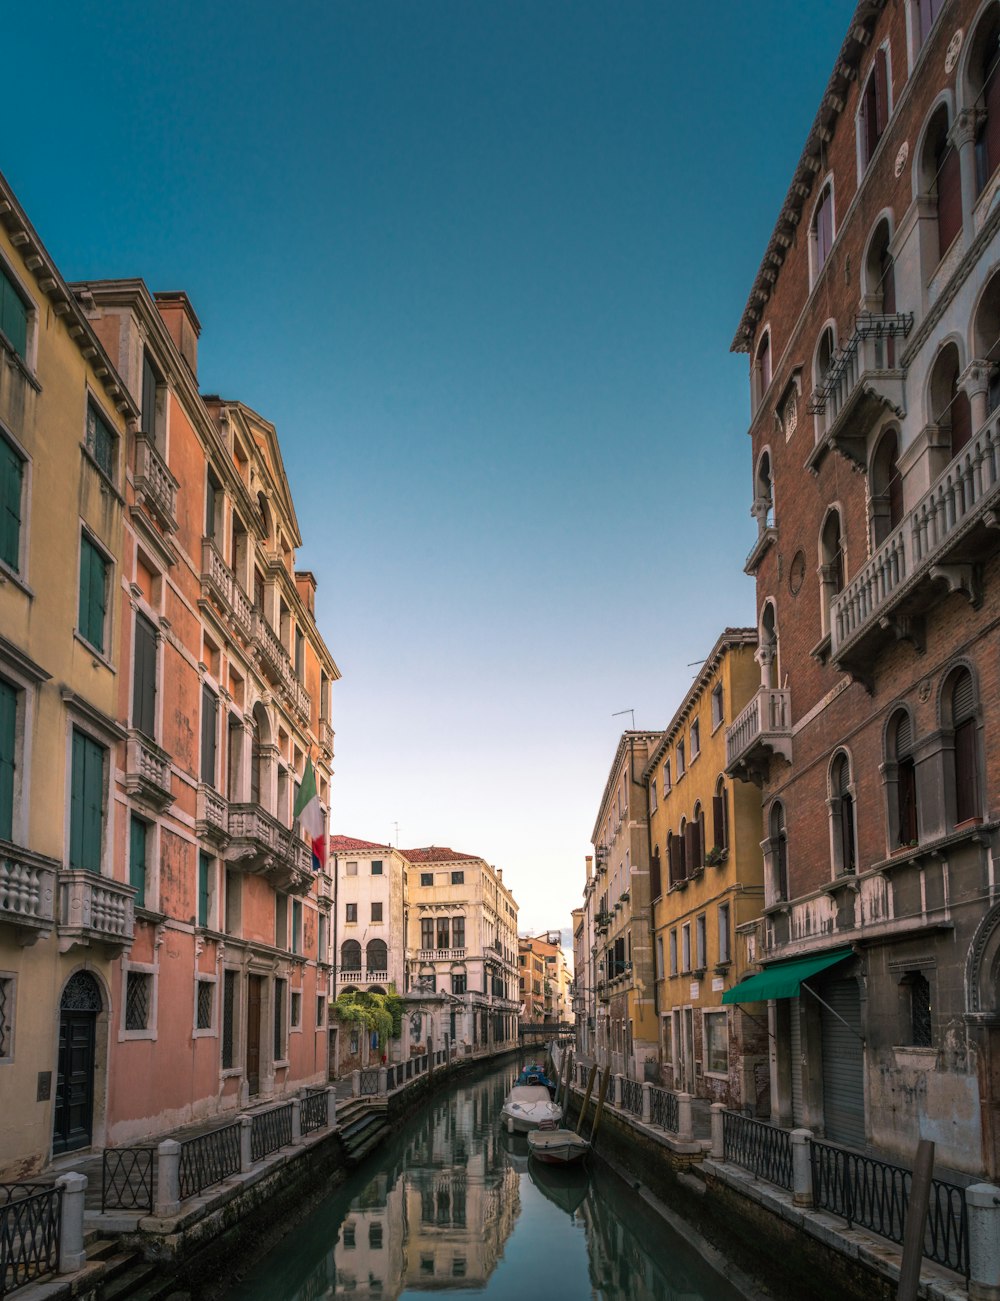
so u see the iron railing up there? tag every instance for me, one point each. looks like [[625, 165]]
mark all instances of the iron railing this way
[[128, 1179], [663, 1110], [312, 1114], [209, 1158], [610, 1095], [631, 1096], [763, 1149], [875, 1195], [30, 1220], [369, 1083], [270, 1130]]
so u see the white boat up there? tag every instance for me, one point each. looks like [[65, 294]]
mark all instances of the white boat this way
[[527, 1106], [557, 1146]]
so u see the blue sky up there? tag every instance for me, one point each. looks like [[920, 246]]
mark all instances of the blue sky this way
[[481, 263]]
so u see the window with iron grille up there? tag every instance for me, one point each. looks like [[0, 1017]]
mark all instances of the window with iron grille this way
[[296, 1017], [228, 1018], [206, 994], [6, 1017], [920, 1010], [138, 1000]]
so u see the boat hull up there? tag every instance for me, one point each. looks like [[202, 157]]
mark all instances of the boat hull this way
[[557, 1146]]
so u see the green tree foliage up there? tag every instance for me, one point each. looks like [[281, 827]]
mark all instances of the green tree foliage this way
[[382, 1013]]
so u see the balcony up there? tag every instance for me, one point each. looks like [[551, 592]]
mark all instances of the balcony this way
[[862, 382], [27, 892], [94, 909], [349, 976], [155, 486], [261, 845], [324, 890], [762, 730], [301, 701], [217, 578], [212, 815], [441, 955], [274, 658], [147, 775], [937, 549], [326, 735]]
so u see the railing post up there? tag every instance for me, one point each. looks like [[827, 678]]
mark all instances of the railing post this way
[[685, 1122], [802, 1192], [618, 1090], [718, 1131], [355, 1084], [296, 1122], [983, 1202], [331, 1107], [246, 1144], [72, 1253], [646, 1115], [168, 1178], [383, 1081]]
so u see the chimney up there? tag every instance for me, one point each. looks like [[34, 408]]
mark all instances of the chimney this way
[[499, 873], [182, 325]]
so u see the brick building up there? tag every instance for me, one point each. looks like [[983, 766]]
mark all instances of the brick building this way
[[873, 331]]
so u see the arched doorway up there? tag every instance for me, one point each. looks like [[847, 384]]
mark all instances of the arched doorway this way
[[74, 1111]]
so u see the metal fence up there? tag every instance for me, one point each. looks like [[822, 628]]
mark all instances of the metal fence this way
[[610, 1095], [663, 1109], [631, 1099], [756, 1146], [209, 1158], [30, 1220], [270, 1130], [313, 1113], [128, 1179], [369, 1082], [875, 1195]]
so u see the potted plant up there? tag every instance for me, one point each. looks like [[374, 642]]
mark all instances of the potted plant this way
[[716, 856]]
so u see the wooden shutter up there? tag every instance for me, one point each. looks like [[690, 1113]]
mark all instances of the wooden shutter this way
[[137, 860], [963, 698], [907, 789], [961, 422], [210, 494], [655, 888], [144, 680], [148, 397], [949, 190], [204, 867], [966, 771], [869, 113], [93, 593], [881, 79], [11, 478], [8, 735], [719, 821], [86, 803], [904, 736], [13, 316], [209, 720], [690, 848], [674, 854], [847, 862]]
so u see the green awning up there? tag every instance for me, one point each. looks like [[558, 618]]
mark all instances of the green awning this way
[[784, 978]]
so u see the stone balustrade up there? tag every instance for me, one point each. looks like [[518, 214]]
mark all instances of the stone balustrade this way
[[155, 486], [94, 909], [27, 891]]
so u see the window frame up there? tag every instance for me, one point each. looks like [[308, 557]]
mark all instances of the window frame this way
[[816, 262], [211, 1031], [149, 971], [93, 542], [19, 571], [19, 291], [111, 472], [713, 1017]]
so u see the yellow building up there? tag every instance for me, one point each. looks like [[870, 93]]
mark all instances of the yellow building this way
[[707, 879], [66, 910]]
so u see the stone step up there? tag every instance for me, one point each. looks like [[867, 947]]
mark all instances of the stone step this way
[[136, 1279]]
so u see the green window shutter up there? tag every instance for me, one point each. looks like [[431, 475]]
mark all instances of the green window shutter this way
[[86, 803], [11, 479], [137, 859], [144, 682], [93, 593], [8, 726], [204, 867], [13, 317], [148, 397], [209, 730]]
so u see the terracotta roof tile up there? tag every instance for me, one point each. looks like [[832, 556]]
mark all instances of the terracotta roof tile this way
[[342, 844], [437, 854]]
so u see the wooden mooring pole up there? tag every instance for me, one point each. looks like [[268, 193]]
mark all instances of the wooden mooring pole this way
[[586, 1098], [600, 1103], [916, 1222]]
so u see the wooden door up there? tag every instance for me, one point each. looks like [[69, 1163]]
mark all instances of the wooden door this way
[[254, 1005], [74, 1110]]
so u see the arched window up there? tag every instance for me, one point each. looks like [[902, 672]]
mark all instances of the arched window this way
[[778, 853], [903, 820], [842, 816], [984, 78], [950, 409], [821, 231], [940, 180], [825, 353], [831, 565], [720, 816], [763, 492], [681, 851], [696, 841], [925, 16], [986, 336], [762, 362], [960, 711], [767, 650], [874, 114], [886, 488], [256, 762], [377, 955], [350, 956], [880, 291]]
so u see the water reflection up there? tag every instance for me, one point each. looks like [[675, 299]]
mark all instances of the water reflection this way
[[456, 1205]]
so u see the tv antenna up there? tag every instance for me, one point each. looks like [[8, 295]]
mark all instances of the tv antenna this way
[[619, 713]]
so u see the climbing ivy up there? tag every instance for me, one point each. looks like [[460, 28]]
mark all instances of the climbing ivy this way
[[381, 1013]]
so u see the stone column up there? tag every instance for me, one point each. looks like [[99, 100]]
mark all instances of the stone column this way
[[618, 1089], [72, 1253], [718, 1133], [355, 1084], [983, 1201], [975, 379], [246, 1144], [963, 137], [802, 1190], [296, 1122], [685, 1121], [383, 1081], [646, 1115], [331, 1108], [168, 1178]]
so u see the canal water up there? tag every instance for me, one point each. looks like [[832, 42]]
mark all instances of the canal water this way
[[453, 1204]]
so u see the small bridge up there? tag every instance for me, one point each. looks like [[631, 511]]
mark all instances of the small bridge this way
[[552, 1030]]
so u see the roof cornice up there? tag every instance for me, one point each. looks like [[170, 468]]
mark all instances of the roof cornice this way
[[609, 785]]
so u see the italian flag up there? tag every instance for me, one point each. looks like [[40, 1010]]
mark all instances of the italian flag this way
[[310, 816]]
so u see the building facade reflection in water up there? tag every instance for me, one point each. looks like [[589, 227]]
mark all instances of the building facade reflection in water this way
[[456, 1206]]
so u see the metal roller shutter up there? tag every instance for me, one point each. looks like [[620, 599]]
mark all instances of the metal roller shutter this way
[[843, 1063], [796, 1063]]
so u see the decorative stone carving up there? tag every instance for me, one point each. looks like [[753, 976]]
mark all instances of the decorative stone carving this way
[[952, 52]]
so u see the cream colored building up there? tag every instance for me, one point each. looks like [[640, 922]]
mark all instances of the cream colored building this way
[[461, 940]]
